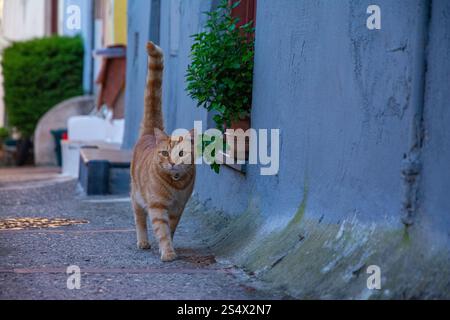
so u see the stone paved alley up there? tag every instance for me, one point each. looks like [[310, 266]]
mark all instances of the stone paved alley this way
[[33, 262]]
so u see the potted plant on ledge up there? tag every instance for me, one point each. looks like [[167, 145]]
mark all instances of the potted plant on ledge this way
[[220, 76]]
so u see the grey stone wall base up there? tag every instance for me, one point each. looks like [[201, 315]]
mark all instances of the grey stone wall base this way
[[310, 259]]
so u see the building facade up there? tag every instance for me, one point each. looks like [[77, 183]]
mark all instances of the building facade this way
[[24, 20], [102, 23], [364, 147]]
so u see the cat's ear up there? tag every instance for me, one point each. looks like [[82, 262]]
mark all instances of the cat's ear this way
[[160, 135]]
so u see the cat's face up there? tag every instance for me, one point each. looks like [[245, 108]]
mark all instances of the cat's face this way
[[175, 154]]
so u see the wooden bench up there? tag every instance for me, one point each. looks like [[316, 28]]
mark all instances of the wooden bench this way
[[105, 171]]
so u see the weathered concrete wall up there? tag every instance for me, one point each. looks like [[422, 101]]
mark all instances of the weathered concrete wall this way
[[56, 118], [349, 103]]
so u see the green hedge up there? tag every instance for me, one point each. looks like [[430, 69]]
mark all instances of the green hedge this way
[[38, 74]]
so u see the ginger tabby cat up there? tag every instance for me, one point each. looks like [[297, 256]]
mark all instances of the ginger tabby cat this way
[[162, 169]]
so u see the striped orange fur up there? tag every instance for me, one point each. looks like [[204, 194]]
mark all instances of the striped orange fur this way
[[162, 169]]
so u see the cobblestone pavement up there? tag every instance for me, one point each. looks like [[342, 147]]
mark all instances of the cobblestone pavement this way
[[33, 262]]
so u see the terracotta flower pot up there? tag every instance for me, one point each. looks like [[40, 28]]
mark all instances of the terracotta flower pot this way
[[239, 152]]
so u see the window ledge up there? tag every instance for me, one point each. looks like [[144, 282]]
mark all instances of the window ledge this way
[[242, 168]]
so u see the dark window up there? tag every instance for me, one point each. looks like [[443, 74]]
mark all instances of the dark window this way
[[246, 11], [54, 17]]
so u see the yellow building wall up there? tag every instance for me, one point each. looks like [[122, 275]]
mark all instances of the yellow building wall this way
[[120, 21], [108, 22], [115, 24]]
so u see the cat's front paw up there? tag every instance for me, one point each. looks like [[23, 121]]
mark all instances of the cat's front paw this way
[[143, 245], [168, 256]]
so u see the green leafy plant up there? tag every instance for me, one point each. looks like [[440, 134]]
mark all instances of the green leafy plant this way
[[204, 142], [38, 74], [4, 133], [220, 76]]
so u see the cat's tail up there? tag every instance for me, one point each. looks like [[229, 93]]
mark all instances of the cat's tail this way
[[153, 117]]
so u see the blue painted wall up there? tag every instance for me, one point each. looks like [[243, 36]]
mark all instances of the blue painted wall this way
[[434, 211], [355, 108], [349, 78], [344, 100], [86, 31], [143, 25], [342, 96]]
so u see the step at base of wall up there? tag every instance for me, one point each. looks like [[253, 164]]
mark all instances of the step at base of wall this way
[[105, 172]]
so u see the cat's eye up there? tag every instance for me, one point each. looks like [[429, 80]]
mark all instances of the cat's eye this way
[[181, 154], [165, 153]]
